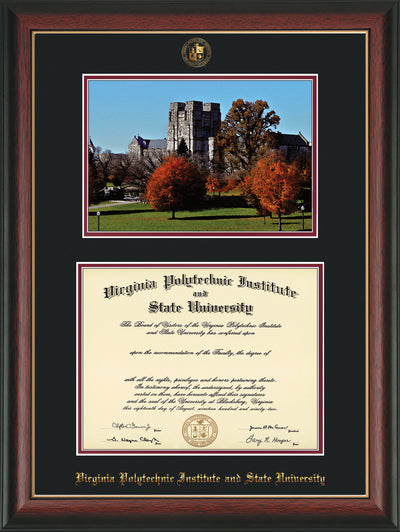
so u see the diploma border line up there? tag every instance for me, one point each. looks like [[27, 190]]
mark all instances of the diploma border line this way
[[367, 233], [319, 266], [312, 77]]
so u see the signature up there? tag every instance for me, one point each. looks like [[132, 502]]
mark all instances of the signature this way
[[267, 439], [258, 438], [152, 441], [120, 426], [253, 439], [269, 427]]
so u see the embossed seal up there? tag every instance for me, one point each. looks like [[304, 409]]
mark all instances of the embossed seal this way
[[196, 52], [200, 430]]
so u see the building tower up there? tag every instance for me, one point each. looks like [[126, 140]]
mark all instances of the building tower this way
[[195, 122]]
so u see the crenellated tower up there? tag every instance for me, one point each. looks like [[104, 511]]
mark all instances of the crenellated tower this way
[[195, 122]]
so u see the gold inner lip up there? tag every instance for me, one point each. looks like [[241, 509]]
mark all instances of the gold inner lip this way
[[205, 32]]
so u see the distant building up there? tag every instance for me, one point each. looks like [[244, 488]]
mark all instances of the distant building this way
[[293, 145], [153, 148], [197, 123]]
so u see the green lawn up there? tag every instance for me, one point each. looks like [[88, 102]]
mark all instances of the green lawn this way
[[140, 217]]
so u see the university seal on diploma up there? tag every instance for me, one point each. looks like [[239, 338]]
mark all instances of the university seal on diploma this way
[[200, 430]]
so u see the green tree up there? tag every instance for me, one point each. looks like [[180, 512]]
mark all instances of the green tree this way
[[95, 181], [245, 133], [182, 150]]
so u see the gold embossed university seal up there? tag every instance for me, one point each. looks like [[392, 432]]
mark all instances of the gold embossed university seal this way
[[196, 52], [200, 430]]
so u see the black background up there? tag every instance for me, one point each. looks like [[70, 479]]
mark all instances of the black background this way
[[339, 61]]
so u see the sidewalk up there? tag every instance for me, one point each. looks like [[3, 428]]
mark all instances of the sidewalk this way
[[112, 203]]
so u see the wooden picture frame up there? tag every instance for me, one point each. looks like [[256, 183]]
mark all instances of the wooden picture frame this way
[[380, 509]]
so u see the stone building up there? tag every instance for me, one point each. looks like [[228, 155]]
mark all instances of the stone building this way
[[156, 149], [293, 145], [197, 123]]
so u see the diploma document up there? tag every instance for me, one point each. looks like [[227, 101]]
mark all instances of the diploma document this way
[[194, 358]]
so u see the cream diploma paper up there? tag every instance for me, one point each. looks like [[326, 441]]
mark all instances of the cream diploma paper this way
[[186, 358]]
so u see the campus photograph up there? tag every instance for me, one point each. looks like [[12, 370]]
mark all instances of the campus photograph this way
[[192, 155]]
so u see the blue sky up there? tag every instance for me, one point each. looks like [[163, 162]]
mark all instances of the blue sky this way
[[121, 109]]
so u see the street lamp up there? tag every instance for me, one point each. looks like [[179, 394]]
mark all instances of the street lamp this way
[[302, 208], [98, 220]]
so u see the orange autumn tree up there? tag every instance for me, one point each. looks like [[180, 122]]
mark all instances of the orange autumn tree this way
[[218, 185], [175, 185], [275, 184], [246, 188], [243, 135]]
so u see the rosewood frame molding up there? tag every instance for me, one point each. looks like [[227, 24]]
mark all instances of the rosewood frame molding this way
[[380, 510]]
